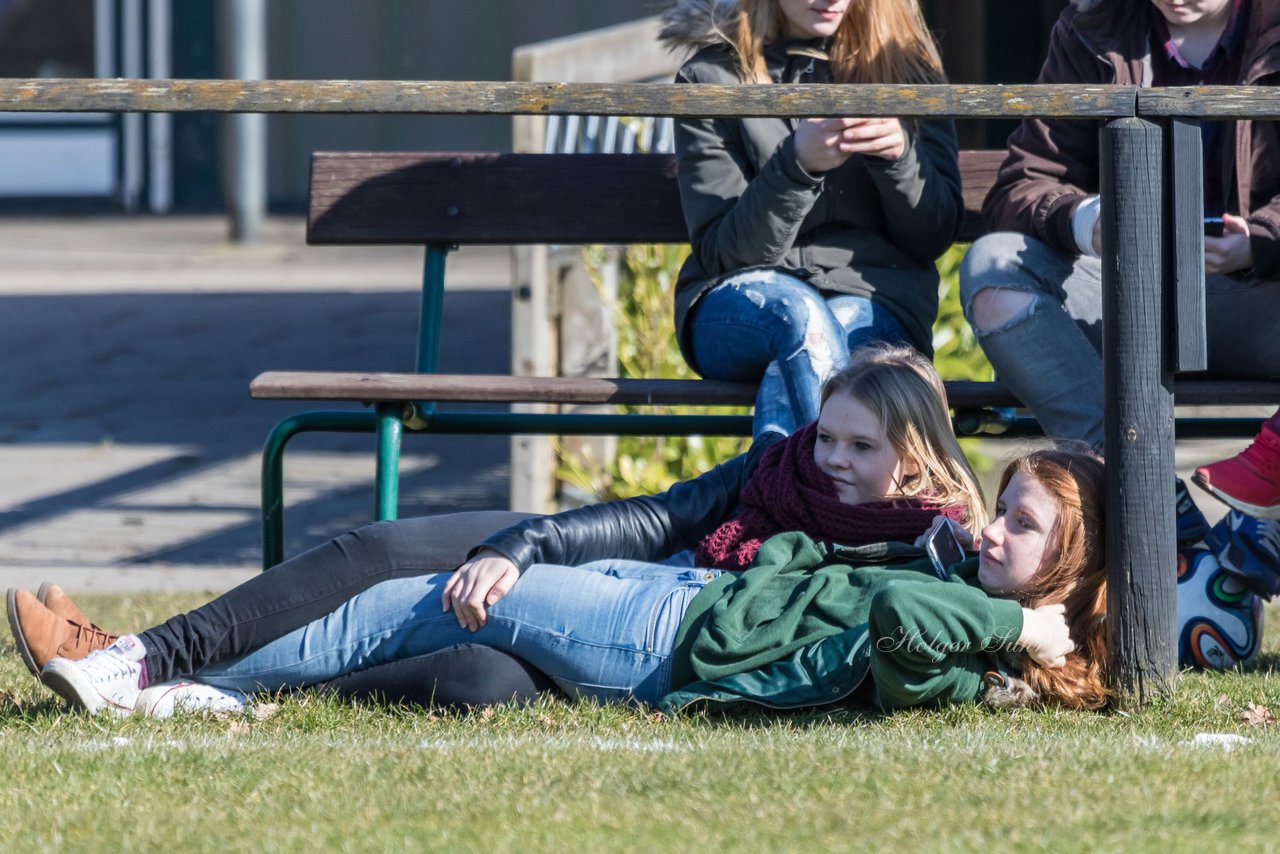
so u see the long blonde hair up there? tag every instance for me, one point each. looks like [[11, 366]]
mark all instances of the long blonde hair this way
[[1076, 577], [901, 386], [878, 41]]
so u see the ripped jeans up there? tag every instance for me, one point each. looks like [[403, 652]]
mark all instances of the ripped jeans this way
[[769, 327], [1048, 353]]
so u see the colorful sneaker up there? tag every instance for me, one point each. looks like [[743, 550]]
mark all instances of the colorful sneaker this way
[[110, 678], [1249, 548], [1192, 526], [167, 698], [1249, 481]]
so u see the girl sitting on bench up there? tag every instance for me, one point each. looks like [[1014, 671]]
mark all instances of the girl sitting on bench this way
[[810, 237]]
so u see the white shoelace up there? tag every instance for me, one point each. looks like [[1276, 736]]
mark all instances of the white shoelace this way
[[104, 666]]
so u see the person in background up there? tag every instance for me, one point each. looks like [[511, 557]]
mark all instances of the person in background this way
[[810, 237], [1032, 289]]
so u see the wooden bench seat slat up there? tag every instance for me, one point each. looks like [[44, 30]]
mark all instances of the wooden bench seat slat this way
[[484, 388], [304, 385]]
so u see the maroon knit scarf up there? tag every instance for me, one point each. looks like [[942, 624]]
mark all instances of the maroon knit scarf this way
[[788, 492]]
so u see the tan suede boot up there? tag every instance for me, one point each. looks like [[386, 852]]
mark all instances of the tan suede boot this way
[[52, 597], [41, 635]]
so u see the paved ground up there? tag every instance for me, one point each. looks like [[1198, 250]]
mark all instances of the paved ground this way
[[128, 444]]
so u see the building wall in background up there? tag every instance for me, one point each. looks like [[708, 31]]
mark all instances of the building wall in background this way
[[378, 39], [436, 40], [407, 40]]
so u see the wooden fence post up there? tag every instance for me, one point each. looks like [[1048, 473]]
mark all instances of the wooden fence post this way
[[1184, 245], [1140, 549]]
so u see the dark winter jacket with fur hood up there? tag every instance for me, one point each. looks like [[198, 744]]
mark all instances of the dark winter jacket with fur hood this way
[[1053, 164], [870, 227]]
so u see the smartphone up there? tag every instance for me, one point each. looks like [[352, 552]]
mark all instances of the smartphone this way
[[943, 547], [1213, 226]]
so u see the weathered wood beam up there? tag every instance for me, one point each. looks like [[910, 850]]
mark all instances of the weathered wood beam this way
[[1140, 550], [1227, 102], [1184, 244], [503, 98], [356, 386]]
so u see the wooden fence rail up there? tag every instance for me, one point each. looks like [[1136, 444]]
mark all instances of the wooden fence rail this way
[[602, 99], [448, 97], [1218, 102]]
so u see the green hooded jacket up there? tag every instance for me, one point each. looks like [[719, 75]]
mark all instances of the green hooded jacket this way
[[807, 623]]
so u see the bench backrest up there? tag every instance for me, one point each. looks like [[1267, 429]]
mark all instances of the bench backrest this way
[[469, 198]]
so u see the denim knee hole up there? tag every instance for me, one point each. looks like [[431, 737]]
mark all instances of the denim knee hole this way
[[1022, 315]]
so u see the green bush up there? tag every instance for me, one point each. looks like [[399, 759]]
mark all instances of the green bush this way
[[647, 348]]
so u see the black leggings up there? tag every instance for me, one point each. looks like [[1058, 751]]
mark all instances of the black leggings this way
[[315, 583], [457, 677]]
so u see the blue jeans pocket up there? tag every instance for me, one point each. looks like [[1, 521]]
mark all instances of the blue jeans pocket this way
[[669, 611]]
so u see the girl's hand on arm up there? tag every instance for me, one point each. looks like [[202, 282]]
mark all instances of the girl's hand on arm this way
[[476, 585], [1045, 635], [1230, 252]]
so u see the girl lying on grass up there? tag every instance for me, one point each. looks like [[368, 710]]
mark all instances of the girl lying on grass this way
[[595, 612]]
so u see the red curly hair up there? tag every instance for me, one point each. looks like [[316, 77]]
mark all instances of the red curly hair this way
[[1076, 576]]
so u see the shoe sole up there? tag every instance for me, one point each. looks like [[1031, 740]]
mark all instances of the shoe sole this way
[[71, 685], [42, 593], [1257, 511], [18, 639]]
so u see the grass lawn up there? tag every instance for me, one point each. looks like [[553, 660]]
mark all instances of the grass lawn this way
[[319, 775]]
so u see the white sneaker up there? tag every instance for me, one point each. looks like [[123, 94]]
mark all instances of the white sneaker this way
[[163, 700], [108, 678]]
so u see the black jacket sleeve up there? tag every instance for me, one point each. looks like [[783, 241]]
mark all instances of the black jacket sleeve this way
[[649, 527]]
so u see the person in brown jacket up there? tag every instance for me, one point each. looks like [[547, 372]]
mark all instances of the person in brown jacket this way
[[1032, 289]]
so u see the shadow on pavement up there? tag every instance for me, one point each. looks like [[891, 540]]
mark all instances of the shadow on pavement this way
[[120, 373]]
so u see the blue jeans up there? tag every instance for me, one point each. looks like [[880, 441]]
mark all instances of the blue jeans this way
[[768, 327], [603, 631], [1048, 355]]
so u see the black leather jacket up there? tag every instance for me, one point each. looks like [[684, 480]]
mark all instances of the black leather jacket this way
[[649, 527]]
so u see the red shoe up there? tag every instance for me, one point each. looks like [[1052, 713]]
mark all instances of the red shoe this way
[[1249, 481]]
